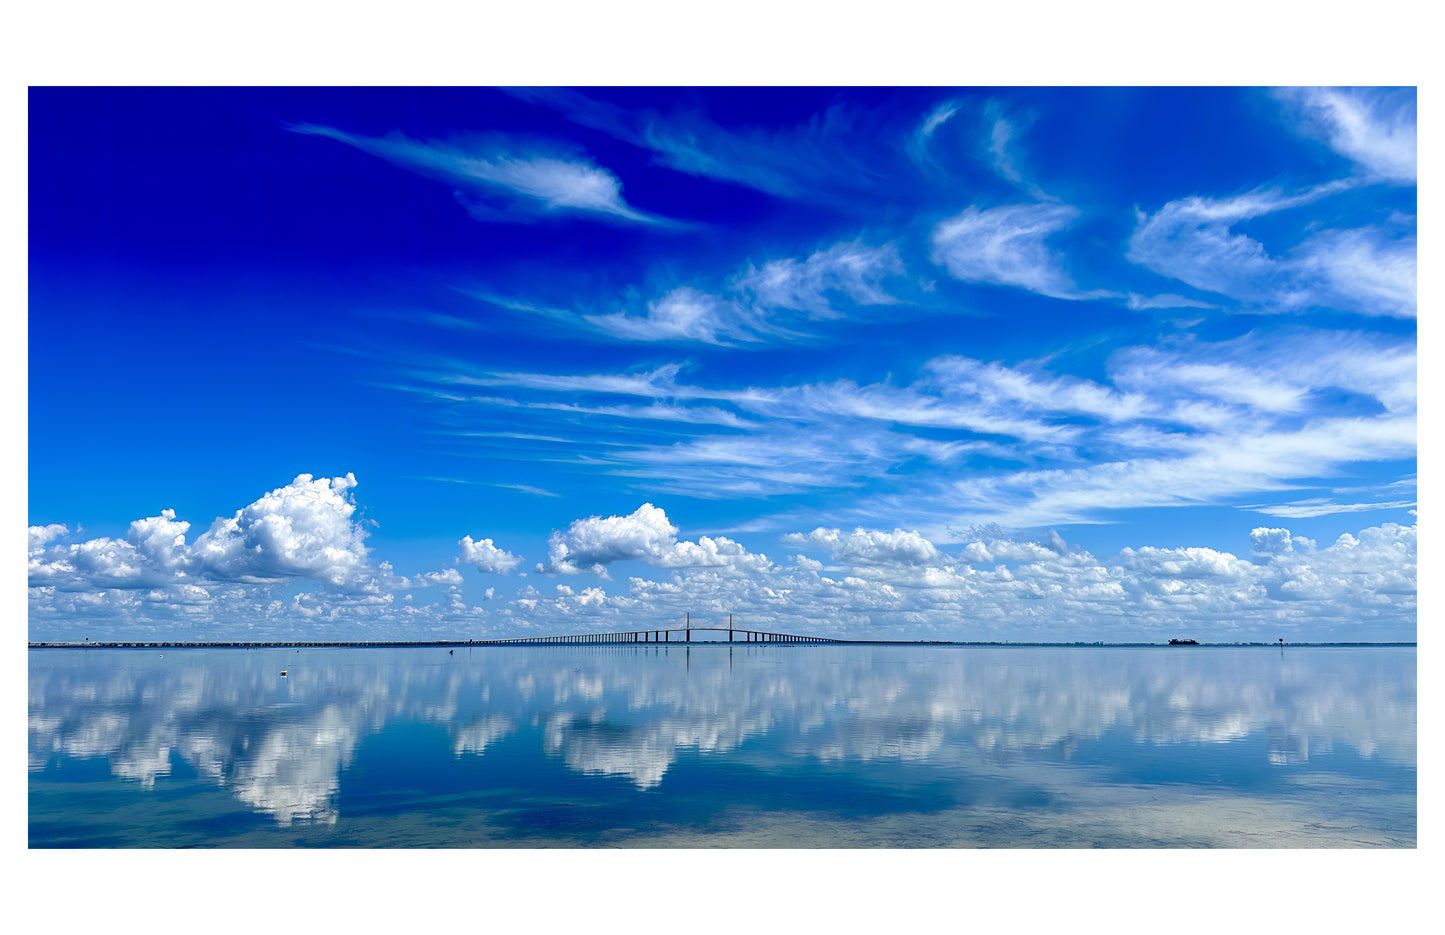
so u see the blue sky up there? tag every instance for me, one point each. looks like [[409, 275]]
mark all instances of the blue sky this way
[[991, 363]]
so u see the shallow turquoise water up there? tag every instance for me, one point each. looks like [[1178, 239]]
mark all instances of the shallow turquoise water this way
[[712, 746]]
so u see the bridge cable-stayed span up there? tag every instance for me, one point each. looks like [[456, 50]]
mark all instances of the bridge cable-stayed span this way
[[684, 629]]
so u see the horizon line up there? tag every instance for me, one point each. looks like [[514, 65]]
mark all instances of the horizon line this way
[[524, 641]]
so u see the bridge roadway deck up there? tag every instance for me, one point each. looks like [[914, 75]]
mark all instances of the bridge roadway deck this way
[[666, 636]]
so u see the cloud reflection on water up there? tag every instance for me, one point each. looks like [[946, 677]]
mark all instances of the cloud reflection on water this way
[[282, 746]]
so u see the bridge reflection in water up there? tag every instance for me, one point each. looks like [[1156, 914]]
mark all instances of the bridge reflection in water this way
[[665, 635]]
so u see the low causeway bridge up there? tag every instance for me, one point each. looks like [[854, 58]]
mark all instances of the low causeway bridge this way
[[679, 634]]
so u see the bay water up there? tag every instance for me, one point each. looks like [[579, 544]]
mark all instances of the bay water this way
[[714, 745]]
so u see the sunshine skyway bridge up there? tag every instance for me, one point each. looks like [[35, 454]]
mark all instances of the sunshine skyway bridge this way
[[680, 633]]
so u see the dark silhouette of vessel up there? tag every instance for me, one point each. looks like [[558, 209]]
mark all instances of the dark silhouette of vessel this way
[[1183, 642]]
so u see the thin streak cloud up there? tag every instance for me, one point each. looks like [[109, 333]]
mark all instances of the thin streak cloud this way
[[543, 179]]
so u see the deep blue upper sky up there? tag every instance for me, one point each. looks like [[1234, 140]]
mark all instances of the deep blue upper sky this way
[[1140, 318]]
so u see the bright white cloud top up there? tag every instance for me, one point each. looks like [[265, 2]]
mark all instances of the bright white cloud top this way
[[1013, 364], [895, 580]]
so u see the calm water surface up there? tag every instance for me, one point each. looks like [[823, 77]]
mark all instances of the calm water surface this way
[[711, 746]]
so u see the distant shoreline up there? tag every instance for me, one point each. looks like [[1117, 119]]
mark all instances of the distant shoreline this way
[[452, 644]]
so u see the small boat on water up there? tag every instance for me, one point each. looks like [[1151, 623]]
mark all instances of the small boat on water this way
[[283, 673], [1183, 642]]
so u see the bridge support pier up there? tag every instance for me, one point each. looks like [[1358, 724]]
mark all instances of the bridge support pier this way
[[734, 635]]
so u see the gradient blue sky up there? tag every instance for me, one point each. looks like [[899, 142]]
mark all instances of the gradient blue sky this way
[[1123, 363]]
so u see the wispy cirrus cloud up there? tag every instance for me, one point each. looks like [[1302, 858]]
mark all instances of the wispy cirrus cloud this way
[[657, 411], [852, 270], [937, 117], [1177, 408], [1212, 469], [1192, 240], [1004, 389], [815, 159], [659, 382], [503, 178], [1323, 506], [1006, 246], [947, 398], [1369, 270], [683, 315], [1003, 148], [1166, 300], [1373, 127], [921, 137], [469, 482], [518, 306], [763, 303], [781, 459], [1278, 373]]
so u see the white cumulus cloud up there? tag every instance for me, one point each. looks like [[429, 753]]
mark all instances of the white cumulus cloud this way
[[870, 546], [1271, 541], [486, 556], [647, 535], [593, 543], [40, 536], [304, 529]]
